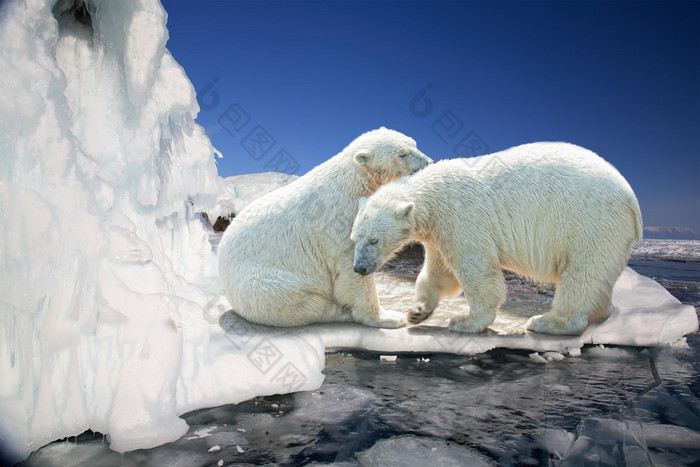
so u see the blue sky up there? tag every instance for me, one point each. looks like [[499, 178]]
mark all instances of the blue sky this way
[[284, 85]]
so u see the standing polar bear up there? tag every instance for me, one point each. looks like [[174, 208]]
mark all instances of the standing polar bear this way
[[553, 212], [286, 260]]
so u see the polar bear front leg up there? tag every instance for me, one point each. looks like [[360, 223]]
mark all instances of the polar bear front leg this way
[[360, 295], [434, 282], [485, 288]]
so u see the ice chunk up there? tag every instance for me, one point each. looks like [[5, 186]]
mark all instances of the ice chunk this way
[[337, 405], [536, 357], [407, 450], [553, 356], [202, 433], [546, 357], [657, 435], [609, 441], [557, 442]]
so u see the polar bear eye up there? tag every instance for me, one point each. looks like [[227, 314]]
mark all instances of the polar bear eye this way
[[403, 154], [372, 241]]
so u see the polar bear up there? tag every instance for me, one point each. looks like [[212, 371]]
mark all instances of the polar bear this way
[[286, 259], [553, 212]]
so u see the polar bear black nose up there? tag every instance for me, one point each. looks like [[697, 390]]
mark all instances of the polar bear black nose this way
[[362, 270]]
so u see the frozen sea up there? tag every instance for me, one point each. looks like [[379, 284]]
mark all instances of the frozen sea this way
[[610, 406]]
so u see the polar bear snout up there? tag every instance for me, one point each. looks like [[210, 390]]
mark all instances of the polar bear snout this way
[[364, 265], [361, 270], [364, 268], [419, 161]]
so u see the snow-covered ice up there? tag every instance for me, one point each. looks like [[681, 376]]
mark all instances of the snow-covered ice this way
[[242, 189], [645, 314], [110, 309]]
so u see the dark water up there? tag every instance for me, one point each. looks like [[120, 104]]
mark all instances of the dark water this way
[[610, 406], [678, 277]]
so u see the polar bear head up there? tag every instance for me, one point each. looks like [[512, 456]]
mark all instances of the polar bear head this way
[[386, 155], [384, 224]]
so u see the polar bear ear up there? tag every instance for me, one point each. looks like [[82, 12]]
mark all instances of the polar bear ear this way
[[362, 157], [404, 210], [361, 205]]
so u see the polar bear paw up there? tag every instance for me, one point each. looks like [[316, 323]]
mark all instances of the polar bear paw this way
[[552, 323], [418, 313], [386, 319], [468, 325]]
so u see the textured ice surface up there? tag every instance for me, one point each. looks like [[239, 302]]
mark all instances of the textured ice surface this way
[[645, 314]]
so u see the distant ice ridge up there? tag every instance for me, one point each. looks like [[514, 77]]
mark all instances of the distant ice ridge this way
[[672, 250], [243, 189], [105, 267], [240, 190]]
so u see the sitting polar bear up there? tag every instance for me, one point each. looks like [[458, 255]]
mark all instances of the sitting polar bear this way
[[286, 260], [553, 212]]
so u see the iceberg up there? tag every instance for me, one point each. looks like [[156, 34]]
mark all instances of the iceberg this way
[[106, 269], [111, 314]]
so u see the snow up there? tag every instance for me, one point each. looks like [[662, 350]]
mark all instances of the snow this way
[[110, 309]]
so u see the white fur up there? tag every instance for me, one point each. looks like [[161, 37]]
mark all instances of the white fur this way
[[287, 259], [553, 212]]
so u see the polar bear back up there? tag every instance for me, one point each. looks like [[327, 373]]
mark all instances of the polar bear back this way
[[291, 217], [537, 204]]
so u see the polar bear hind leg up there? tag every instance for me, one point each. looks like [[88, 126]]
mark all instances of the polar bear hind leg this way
[[277, 297], [582, 297], [359, 295]]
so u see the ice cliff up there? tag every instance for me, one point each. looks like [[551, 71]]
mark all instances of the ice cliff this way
[[105, 266]]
